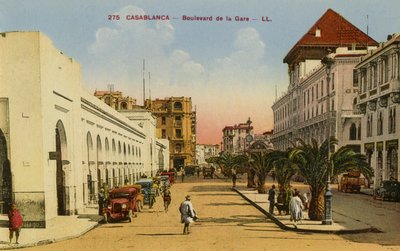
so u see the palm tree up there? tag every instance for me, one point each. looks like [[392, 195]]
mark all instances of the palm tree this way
[[311, 161], [283, 167], [260, 164], [228, 161]]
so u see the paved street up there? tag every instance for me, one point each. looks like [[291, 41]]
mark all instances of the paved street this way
[[227, 222]]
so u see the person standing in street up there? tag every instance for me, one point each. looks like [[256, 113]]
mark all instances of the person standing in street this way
[[234, 177], [15, 222], [166, 199], [188, 214], [100, 200], [271, 199], [296, 209], [183, 173]]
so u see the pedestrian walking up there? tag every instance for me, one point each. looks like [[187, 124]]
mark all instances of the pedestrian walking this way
[[234, 177], [271, 199], [188, 214], [183, 173], [15, 222], [296, 209], [101, 200], [166, 199]]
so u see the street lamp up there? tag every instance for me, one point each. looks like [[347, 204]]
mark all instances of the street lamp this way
[[328, 61]]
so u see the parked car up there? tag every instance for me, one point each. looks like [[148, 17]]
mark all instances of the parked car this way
[[139, 197], [191, 170], [389, 190], [148, 191], [121, 203], [171, 176], [208, 172]]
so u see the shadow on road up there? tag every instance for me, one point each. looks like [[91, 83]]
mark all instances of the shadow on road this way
[[240, 220], [228, 204], [163, 234], [214, 188]]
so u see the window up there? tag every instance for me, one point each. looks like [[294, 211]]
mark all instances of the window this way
[[178, 133], [163, 134], [333, 81], [355, 78], [316, 91], [178, 148], [124, 106], [380, 123], [359, 132], [322, 88], [178, 106], [353, 132], [163, 121]]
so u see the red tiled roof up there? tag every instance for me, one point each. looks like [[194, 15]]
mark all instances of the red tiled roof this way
[[335, 31]]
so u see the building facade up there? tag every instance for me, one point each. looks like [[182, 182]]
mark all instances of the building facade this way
[[319, 102], [58, 143], [236, 139], [176, 121], [378, 79], [205, 151]]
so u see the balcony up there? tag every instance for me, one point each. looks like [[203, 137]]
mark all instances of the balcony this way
[[351, 114]]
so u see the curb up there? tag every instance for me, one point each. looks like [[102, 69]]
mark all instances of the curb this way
[[49, 241], [287, 228]]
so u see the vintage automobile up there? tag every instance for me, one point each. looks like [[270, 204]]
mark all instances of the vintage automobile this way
[[121, 203], [208, 172], [171, 176], [352, 182], [190, 170], [389, 190], [139, 197], [148, 191]]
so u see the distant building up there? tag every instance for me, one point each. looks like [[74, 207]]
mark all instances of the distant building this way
[[378, 80], [204, 151], [236, 139], [176, 121], [116, 100], [302, 112]]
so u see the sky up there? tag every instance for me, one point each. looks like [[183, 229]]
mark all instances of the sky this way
[[232, 70]]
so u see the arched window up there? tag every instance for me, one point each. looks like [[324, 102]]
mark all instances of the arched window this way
[[359, 132], [107, 100], [178, 106], [124, 106]]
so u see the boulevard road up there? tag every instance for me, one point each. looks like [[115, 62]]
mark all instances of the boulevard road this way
[[227, 222]]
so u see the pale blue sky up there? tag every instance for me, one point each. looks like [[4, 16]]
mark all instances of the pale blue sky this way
[[230, 69]]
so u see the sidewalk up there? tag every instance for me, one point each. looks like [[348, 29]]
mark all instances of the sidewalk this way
[[342, 223], [57, 229]]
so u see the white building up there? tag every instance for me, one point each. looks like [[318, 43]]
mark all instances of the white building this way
[[58, 143], [236, 139], [378, 79], [302, 112], [205, 151]]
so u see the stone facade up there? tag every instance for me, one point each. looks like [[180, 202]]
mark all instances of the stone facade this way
[[205, 151], [378, 80], [236, 139], [316, 97], [58, 143], [176, 121]]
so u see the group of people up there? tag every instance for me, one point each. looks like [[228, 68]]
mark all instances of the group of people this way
[[292, 202]]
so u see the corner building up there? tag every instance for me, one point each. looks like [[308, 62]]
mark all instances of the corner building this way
[[378, 78], [58, 143], [302, 112], [176, 121]]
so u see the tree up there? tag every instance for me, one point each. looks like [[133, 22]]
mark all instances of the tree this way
[[260, 164], [228, 161], [311, 161], [283, 168]]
